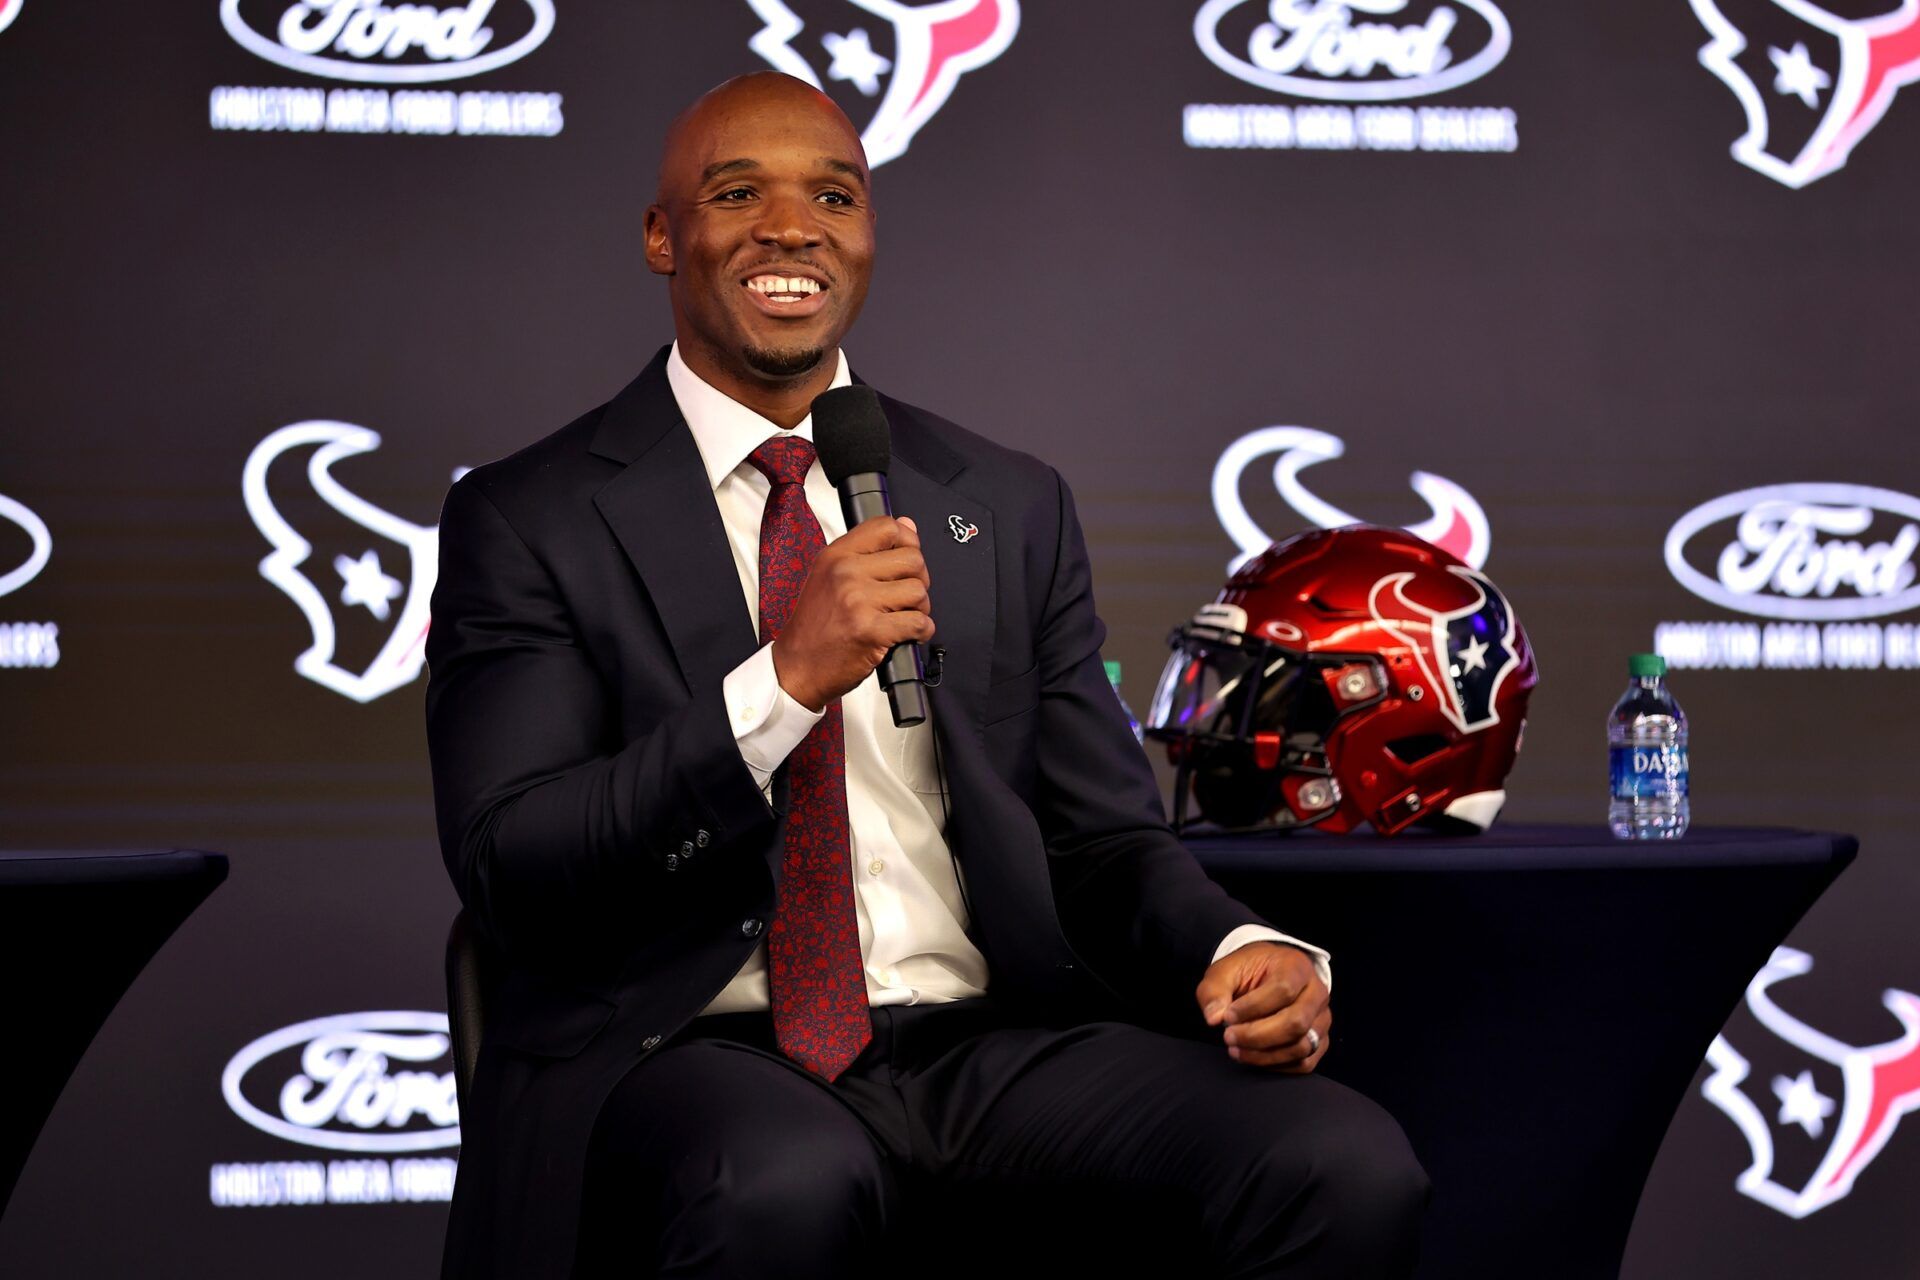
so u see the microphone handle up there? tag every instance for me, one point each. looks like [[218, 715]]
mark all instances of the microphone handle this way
[[862, 497]]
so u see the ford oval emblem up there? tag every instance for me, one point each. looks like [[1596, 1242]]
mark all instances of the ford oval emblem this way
[[1356, 50], [339, 1083], [376, 43], [1804, 552]]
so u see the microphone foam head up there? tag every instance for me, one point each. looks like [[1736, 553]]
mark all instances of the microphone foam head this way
[[850, 432]]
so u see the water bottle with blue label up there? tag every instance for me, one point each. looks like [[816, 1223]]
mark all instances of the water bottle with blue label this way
[[1647, 738], [1133, 721]]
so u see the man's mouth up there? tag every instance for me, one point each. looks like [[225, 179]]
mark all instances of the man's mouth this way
[[784, 291]]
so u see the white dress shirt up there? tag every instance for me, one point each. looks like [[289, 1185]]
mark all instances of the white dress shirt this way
[[912, 918]]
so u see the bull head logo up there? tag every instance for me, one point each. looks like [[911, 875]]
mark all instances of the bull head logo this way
[[357, 577], [919, 51], [1457, 525], [1465, 647], [1793, 1170], [1812, 84]]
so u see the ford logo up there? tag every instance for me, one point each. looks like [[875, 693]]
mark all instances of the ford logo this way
[[376, 43], [1353, 50], [1803, 551], [37, 535], [332, 1083]]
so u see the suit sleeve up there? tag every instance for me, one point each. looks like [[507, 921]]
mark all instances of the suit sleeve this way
[[559, 835], [1132, 899]]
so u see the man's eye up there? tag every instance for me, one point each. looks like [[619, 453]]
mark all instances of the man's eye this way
[[736, 193], [836, 197]]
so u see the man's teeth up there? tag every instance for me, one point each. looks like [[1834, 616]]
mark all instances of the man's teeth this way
[[784, 288]]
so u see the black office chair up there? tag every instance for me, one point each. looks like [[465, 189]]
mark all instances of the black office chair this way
[[466, 1002]]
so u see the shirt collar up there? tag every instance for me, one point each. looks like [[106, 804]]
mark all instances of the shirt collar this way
[[725, 430]]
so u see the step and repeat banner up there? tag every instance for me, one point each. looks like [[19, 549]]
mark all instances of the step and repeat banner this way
[[1617, 300]]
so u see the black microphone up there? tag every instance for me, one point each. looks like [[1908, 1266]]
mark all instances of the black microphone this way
[[855, 448]]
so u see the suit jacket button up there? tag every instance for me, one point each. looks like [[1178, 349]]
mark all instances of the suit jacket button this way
[[702, 839], [673, 862], [751, 926], [686, 848], [649, 1042]]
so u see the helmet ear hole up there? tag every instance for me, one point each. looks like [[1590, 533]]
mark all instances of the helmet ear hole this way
[[1416, 747]]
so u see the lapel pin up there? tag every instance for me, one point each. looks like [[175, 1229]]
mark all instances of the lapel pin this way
[[962, 531]]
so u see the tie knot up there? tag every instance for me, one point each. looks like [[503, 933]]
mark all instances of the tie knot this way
[[783, 459]]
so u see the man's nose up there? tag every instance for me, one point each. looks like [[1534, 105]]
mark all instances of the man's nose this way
[[789, 223]]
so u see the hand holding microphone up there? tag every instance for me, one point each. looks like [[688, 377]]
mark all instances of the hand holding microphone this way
[[865, 602]]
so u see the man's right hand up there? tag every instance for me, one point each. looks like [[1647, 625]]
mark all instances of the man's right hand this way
[[865, 593]]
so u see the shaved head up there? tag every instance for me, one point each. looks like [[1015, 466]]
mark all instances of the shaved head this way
[[763, 224], [755, 91]]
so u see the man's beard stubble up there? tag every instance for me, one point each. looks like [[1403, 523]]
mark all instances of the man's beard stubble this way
[[789, 363]]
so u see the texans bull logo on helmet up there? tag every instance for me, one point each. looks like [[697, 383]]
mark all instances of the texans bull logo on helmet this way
[[1812, 84], [1814, 1110], [1465, 650], [362, 576], [889, 64]]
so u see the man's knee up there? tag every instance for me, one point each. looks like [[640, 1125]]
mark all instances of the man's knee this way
[[794, 1204], [1340, 1182], [1369, 1180]]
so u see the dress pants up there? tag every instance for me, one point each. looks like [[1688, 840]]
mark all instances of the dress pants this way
[[717, 1156]]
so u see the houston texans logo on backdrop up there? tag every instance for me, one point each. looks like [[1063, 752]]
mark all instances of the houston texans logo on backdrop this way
[[1828, 1108], [1464, 646], [892, 64], [9, 10], [1457, 525], [1813, 84], [354, 595]]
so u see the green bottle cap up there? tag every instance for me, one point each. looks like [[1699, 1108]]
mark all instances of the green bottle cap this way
[[1646, 664], [1113, 672]]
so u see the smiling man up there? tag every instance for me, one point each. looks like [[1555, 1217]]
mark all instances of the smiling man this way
[[767, 965]]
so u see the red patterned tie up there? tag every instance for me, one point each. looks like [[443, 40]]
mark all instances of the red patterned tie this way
[[815, 974]]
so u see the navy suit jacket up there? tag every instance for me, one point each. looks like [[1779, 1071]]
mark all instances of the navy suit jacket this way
[[602, 829]]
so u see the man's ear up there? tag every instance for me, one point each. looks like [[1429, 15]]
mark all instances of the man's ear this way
[[659, 244]]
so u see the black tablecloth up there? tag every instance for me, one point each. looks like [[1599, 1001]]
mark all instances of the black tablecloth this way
[[1531, 1004], [76, 928]]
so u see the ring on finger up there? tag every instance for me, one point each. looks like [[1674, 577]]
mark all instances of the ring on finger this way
[[1313, 1042]]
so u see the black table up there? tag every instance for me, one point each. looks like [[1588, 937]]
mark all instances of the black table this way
[[76, 928], [1531, 1004]]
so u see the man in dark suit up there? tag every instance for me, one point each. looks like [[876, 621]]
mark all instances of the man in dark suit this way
[[764, 957]]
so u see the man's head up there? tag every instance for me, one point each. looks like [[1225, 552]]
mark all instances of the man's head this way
[[764, 225]]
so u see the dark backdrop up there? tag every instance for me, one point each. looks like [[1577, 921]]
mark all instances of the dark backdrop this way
[[1570, 298]]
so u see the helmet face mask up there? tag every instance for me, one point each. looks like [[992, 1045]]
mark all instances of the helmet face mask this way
[[1346, 677]]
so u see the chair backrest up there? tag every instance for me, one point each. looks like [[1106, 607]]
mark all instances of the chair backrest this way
[[466, 1000]]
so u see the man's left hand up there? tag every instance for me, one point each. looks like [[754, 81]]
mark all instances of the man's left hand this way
[[1267, 996]]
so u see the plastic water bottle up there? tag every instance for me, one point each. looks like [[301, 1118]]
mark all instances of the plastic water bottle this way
[[1647, 738], [1133, 721]]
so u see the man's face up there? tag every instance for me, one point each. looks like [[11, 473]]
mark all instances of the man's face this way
[[766, 229]]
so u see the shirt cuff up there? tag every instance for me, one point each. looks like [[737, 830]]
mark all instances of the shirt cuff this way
[[767, 721], [1322, 962]]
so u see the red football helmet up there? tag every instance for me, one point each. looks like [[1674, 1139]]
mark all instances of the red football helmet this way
[[1347, 676]]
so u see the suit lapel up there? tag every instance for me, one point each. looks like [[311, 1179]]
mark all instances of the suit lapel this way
[[956, 537], [662, 511]]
